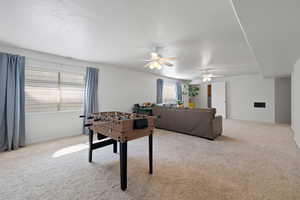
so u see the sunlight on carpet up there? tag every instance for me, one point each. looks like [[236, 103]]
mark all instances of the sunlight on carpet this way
[[69, 150]]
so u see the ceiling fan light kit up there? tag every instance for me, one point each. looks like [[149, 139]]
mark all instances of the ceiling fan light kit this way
[[206, 79], [155, 65], [157, 61]]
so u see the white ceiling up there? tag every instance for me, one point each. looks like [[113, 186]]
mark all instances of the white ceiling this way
[[199, 33], [273, 30]]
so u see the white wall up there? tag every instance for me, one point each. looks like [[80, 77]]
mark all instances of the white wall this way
[[283, 100], [203, 96], [119, 89], [52, 125], [296, 102], [241, 93]]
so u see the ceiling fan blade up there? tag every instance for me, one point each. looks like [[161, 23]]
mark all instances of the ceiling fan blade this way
[[206, 69], [217, 76], [168, 58], [220, 68], [164, 62], [210, 69], [211, 75], [168, 64]]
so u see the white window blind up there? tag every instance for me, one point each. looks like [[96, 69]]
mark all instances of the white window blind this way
[[47, 90], [71, 91], [169, 92]]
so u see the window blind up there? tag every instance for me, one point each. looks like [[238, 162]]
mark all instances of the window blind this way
[[47, 90], [169, 92], [71, 91]]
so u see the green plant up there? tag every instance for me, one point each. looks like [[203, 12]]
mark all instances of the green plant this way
[[193, 90], [179, 102], [185, 87]]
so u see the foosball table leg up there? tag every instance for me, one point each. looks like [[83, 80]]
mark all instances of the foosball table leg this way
[[91, 144], [151, 153], [115, 146], [123, 165]]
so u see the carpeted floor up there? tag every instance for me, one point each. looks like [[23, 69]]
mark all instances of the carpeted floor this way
[[250, 161]]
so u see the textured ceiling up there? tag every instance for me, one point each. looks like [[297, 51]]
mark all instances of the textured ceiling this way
[[199, 33], [273, 31]]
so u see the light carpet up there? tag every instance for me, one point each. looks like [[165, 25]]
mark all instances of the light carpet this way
[[250, 161]]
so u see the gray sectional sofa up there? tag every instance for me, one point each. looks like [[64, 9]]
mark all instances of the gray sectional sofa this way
[[197, 122]]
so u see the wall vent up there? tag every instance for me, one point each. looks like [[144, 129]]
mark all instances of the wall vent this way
[[259, 104]]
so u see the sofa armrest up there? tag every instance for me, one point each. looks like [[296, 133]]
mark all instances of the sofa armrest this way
[[217, 126]]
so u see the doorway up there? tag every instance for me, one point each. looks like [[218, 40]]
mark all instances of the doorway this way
[[283, 100], [209, 96], [218, 97]]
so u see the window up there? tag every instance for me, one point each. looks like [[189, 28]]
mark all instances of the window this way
[[169, 92], [47, 90], [71, 91]]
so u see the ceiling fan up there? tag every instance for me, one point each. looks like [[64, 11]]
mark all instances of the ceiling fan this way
[[156, 61], [208, 72], [207, 75]]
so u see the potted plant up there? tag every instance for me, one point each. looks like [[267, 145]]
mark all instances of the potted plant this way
[[193, 92], [185, 93], [180, 103]]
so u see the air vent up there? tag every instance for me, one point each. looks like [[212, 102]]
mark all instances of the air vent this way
[[259, 104]]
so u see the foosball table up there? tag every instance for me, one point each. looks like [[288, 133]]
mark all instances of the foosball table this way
[[114, 127]]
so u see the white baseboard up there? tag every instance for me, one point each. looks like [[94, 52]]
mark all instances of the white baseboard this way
[[47, 139], [297, 140]]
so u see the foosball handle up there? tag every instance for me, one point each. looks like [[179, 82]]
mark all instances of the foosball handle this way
[[84, 116], [88, 125]]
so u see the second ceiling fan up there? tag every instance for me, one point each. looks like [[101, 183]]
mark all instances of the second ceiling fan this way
[[207, 75]]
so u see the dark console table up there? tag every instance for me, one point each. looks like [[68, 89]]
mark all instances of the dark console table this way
[[143, 110]]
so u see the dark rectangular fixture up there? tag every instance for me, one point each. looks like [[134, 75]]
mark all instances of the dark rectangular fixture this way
[[259, 104]]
